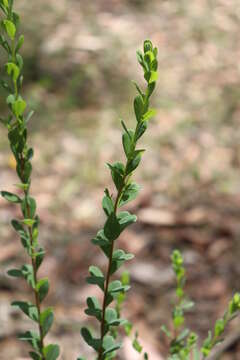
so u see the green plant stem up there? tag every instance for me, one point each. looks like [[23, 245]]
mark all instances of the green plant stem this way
[[119, 194], [108, 276], [27, 228], [105, 345], [37, 300], [33, 257], [34, 265]]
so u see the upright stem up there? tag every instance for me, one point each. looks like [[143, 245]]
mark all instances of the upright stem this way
[[36, 295], [27, 228], [33, 257], [119, 194], [108, 277], [115, 225]]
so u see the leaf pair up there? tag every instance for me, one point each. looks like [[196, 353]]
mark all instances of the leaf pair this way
[[108, 345]]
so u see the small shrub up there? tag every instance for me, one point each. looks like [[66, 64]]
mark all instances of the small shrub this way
[[183, 342], [117, 221]]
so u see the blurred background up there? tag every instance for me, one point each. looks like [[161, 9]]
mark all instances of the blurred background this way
[[79, 63]]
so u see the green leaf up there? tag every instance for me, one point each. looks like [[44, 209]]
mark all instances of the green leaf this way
[[92, 302], [234, 304], [128, 328], [166, 331], [17, 139], [142, 127], [28, 309], [134, 162], [112, 228], [149, 58], [29, 116], [35, 356], [34, 228], [51, 352], [96, 277], [29, 207], [119, 257], [111, 318], [109, 345], [10, 99], [153, 77], [28, 274], [94, 308], [219, 327], [110, 315], [18, 107], [117, 172], [136, 345], [107, 203], [130, 193], [5, 3], [125, 277], [183, 335], [147, 46], [187, 305], [32, 338], [125, 219], [42, 288], [116, 287], [154, 66], [149, 114], [26, 173], [30, 153], [101, 239], [207, 345], [20, 43], [28, 222], [140, 58], [139, 90], [128, 141], [87, 336], [10, 28], [39, 257], [15, 273], [178, 317], [17, 225], [15, 16], [11, 197], [124, 126], [14, 138], [13, 70], [46, 320], [26, 243], [138, 107], [19, 61]]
